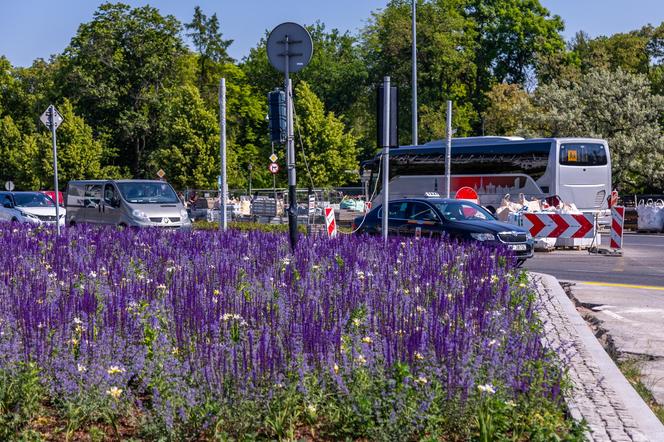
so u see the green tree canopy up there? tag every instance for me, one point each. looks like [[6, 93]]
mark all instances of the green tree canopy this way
[[116, 71], [330, 148], [617, 106]]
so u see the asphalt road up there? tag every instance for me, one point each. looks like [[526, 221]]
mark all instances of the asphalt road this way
[[642, 264]]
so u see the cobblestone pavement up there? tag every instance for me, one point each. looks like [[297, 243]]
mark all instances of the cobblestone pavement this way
[[600, 394]]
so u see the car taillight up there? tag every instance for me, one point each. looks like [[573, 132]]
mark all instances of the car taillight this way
[[353, 226]]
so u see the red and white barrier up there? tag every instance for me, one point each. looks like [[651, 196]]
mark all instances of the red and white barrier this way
[[330, 224], [617, 221], [553, 225]]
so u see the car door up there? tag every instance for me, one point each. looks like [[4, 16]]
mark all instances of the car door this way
[[92, 203], [423, 220], [110, 207], [397, 223]]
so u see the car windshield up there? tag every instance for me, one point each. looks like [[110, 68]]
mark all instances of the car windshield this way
[[33, 200], [463, 211], [146, 193]]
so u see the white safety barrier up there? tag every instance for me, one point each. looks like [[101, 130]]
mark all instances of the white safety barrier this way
[[556, 225], [330, 224], [617, 221]]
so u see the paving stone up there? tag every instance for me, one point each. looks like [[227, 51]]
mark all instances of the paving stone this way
[[591, 397]]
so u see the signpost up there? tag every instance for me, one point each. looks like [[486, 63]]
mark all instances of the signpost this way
[[386, 154], [289, 49], [52, 119]]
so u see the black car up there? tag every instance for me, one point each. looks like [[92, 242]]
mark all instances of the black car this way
[[457, 219]]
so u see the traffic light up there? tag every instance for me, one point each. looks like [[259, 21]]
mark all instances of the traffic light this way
[[277, 115]]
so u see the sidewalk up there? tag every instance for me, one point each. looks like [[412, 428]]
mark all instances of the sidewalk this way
[[600, 394]]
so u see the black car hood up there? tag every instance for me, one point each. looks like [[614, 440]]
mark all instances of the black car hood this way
[[479, 226]]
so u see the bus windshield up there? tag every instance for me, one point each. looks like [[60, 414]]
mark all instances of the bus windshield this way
[[148, 192], [582, 154]]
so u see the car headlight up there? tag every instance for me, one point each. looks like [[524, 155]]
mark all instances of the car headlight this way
[[528, 236], [184, 215], [483, 236], [139, 214]]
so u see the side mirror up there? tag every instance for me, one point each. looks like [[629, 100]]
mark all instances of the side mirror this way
[[7, 205]]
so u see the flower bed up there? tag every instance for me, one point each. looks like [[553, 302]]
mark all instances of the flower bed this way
[[202, 335]]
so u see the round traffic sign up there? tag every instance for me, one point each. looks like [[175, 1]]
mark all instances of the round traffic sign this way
[[467, 193], [9, 186], [299, 43], [273, 167]]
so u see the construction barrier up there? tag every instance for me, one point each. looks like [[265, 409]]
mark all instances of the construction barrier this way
[[617, 220], [555, 225], [330, 224]]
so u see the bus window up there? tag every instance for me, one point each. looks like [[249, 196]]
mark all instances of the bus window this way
[[578, 154]]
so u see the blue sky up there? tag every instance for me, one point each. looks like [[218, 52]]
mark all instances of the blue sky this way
[[30, 29]]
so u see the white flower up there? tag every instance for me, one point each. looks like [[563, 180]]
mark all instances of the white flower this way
[[357, 322], [417, 289], [335, 367], [245, 258], [315, 267], [486, 388], [417, 355], [361, 360], [367, 340], [492, 342], [114, 392], [77, 321], [360, 275], [510, 403], [81, 368], [421, 380], [114, 369], [161, 287], [92, 274], [311, 409], [420, 309]]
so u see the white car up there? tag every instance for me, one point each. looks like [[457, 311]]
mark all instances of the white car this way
[[29, 207]]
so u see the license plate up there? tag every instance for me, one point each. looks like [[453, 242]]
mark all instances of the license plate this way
[[518, 247]]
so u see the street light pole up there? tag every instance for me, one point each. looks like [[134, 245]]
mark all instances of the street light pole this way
[[414, 75]]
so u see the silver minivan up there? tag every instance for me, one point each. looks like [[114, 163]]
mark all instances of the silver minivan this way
[[125, 203]]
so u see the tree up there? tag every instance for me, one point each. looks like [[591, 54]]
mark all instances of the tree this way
[[330, 149], [617, 106], [509, 109], [116, 70], [211, 47], [445, 63], [510, 34]]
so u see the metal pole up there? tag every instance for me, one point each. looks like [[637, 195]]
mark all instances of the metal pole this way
[[223, 206], [250, 167], [448, 148], [386, 153], [55, 171], [290, 147], [414, 75]]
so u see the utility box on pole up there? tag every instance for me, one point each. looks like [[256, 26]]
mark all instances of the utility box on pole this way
[[393, 132], [277, 116]]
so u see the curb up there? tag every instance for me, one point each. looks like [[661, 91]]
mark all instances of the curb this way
[[634, 406]]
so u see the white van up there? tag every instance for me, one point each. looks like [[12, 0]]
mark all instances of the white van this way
[[125, 203]]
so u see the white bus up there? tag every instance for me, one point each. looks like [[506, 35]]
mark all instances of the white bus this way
[[576, 170]]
